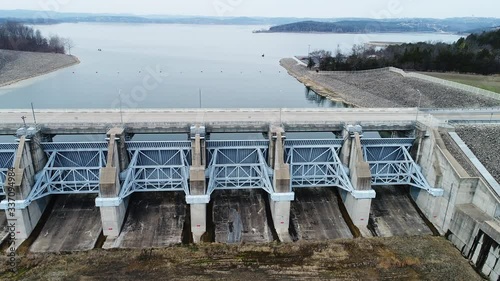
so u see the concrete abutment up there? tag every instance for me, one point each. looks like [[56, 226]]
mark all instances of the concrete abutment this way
[[467, 211], [29, 160]]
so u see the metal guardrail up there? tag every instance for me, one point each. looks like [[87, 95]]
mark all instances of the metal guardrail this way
[[237, 143], [309, 143], [479, 109], [376, 70], [71, 146], [8, 146], [158, 144], [473, 121], [387, 141]]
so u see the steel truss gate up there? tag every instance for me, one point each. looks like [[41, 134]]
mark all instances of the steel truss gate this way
[[157, 166], [315, 163], [7, 154], [238, 165], [72, 168], [391, 164]]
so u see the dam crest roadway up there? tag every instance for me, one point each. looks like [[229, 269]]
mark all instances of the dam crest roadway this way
[[144, 121]]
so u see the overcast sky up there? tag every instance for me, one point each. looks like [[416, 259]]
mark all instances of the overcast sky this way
[[271, 8]]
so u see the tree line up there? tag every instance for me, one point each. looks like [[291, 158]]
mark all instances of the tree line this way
[[477, 53], [19, 37], [354, 26]]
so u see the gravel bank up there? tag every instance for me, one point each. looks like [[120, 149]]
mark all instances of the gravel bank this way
[[384, 89], [16, 66], [484, 141], [459, 156]]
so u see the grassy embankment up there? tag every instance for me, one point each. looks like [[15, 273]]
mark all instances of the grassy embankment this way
[[490, 83]]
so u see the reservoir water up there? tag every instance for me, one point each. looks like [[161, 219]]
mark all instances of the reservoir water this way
[[168, 66]]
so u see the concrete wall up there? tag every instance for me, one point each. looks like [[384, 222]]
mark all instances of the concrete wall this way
[[476, 235], [466, 212], [442, 171]]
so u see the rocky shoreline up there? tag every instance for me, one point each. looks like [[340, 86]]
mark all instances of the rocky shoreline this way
[[17, 66], [383, 88]]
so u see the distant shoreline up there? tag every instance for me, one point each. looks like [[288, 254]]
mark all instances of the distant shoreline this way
[[361, 32], [17, 66]]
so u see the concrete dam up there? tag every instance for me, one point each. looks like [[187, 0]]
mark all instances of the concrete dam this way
[[378, 173]]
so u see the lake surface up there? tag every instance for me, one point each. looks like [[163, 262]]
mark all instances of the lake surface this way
[[171, 66]]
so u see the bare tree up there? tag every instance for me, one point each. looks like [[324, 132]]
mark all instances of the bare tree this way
[[69, 44], [310, 63]]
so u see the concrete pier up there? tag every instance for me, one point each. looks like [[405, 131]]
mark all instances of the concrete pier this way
[[198, 200], [29, 160], [358, 203], [109, 186], [280, 200]]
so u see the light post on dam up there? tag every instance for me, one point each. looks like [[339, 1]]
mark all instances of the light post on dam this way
[[418, 106]]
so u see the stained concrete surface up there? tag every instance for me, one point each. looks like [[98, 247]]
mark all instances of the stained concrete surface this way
[[154, 220], [393, 214], [3, 226], [315, 215], [74, 224], [240, 216]]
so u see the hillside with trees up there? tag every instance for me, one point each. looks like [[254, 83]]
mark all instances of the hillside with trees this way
[[477, 53], [19, 37], [452, 25], [355, 26]]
